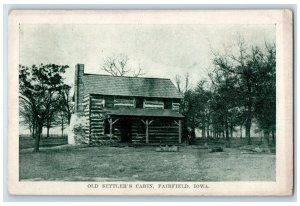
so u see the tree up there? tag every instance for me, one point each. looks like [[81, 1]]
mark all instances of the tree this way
[[224, 101], [183, 86], [39, 88], [202, 111], [26, 117], [245, 63], [65, 108], [187, 106], [66, 102], [265, 102], [118, 65]]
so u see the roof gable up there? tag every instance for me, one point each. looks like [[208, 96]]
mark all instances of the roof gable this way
[[130, 86]]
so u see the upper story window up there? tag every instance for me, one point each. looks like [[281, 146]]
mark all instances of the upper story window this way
[[139, 102], [109, 101], [153, 103], [120, 101], [168, 103]]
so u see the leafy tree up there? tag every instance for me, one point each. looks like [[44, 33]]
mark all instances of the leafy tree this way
[[246, 66], [224, 100], [39, 88], [66, 102], [203, 111], [265, 104]]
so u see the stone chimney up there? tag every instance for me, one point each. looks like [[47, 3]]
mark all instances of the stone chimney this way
[[78, 87]]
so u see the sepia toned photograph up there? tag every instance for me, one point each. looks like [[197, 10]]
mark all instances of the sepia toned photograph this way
[[145, 104]]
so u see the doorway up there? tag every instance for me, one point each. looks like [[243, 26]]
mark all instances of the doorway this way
[[126, 130]]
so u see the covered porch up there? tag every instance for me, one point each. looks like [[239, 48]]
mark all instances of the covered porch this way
[[150, 126]]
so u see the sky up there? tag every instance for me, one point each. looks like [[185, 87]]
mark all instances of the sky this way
[[161, 50]]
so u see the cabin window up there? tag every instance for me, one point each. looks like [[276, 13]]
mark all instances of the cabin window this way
[[176, 104], [153, 103], [139, 102], [123, 101], [109, 101], [168, 103]]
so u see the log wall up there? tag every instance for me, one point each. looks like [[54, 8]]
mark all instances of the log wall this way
[[162, 131], [86, 111], [96, 119]]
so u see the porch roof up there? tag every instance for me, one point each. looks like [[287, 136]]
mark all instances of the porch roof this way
[[127, 111]]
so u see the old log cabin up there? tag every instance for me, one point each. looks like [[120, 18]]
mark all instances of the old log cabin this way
[[128, 109]]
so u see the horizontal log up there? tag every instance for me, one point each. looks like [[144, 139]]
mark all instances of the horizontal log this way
[[163, 134], [153, 106], [96, 126], [94, 98], [97, 107], [96, 110], [123, 101], [94, 135], [97, 103], [163, 137], [97, 121], [92, 124], [163, 128], [96, 131], [123, 105]]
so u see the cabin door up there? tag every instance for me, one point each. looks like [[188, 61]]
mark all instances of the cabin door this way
[[126, 130]]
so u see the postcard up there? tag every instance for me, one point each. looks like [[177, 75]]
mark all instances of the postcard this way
[[150, 102]]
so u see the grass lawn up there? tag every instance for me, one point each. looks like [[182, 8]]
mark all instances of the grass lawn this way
[[54, 140], [81, 163]]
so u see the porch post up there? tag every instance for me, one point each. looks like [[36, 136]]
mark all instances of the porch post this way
[[110, 128], [179, 131], [147, 123], [147, 132], [111, 123]]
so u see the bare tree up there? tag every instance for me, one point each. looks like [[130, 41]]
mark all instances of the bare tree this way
[[118, 65], [183, 87]]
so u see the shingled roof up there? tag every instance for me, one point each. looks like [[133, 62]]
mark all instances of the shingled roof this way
[[130, 86]]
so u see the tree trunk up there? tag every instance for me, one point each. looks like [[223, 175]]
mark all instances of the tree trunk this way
[[273, 136], [62, 126], [214, 132], [207, 131], [37, 138], [241, 131], [231, 131], [48, 131], [266, 140], [69, 118], [227, 134], [248, 129], [33, 130], [203, 130], [30, 131]]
